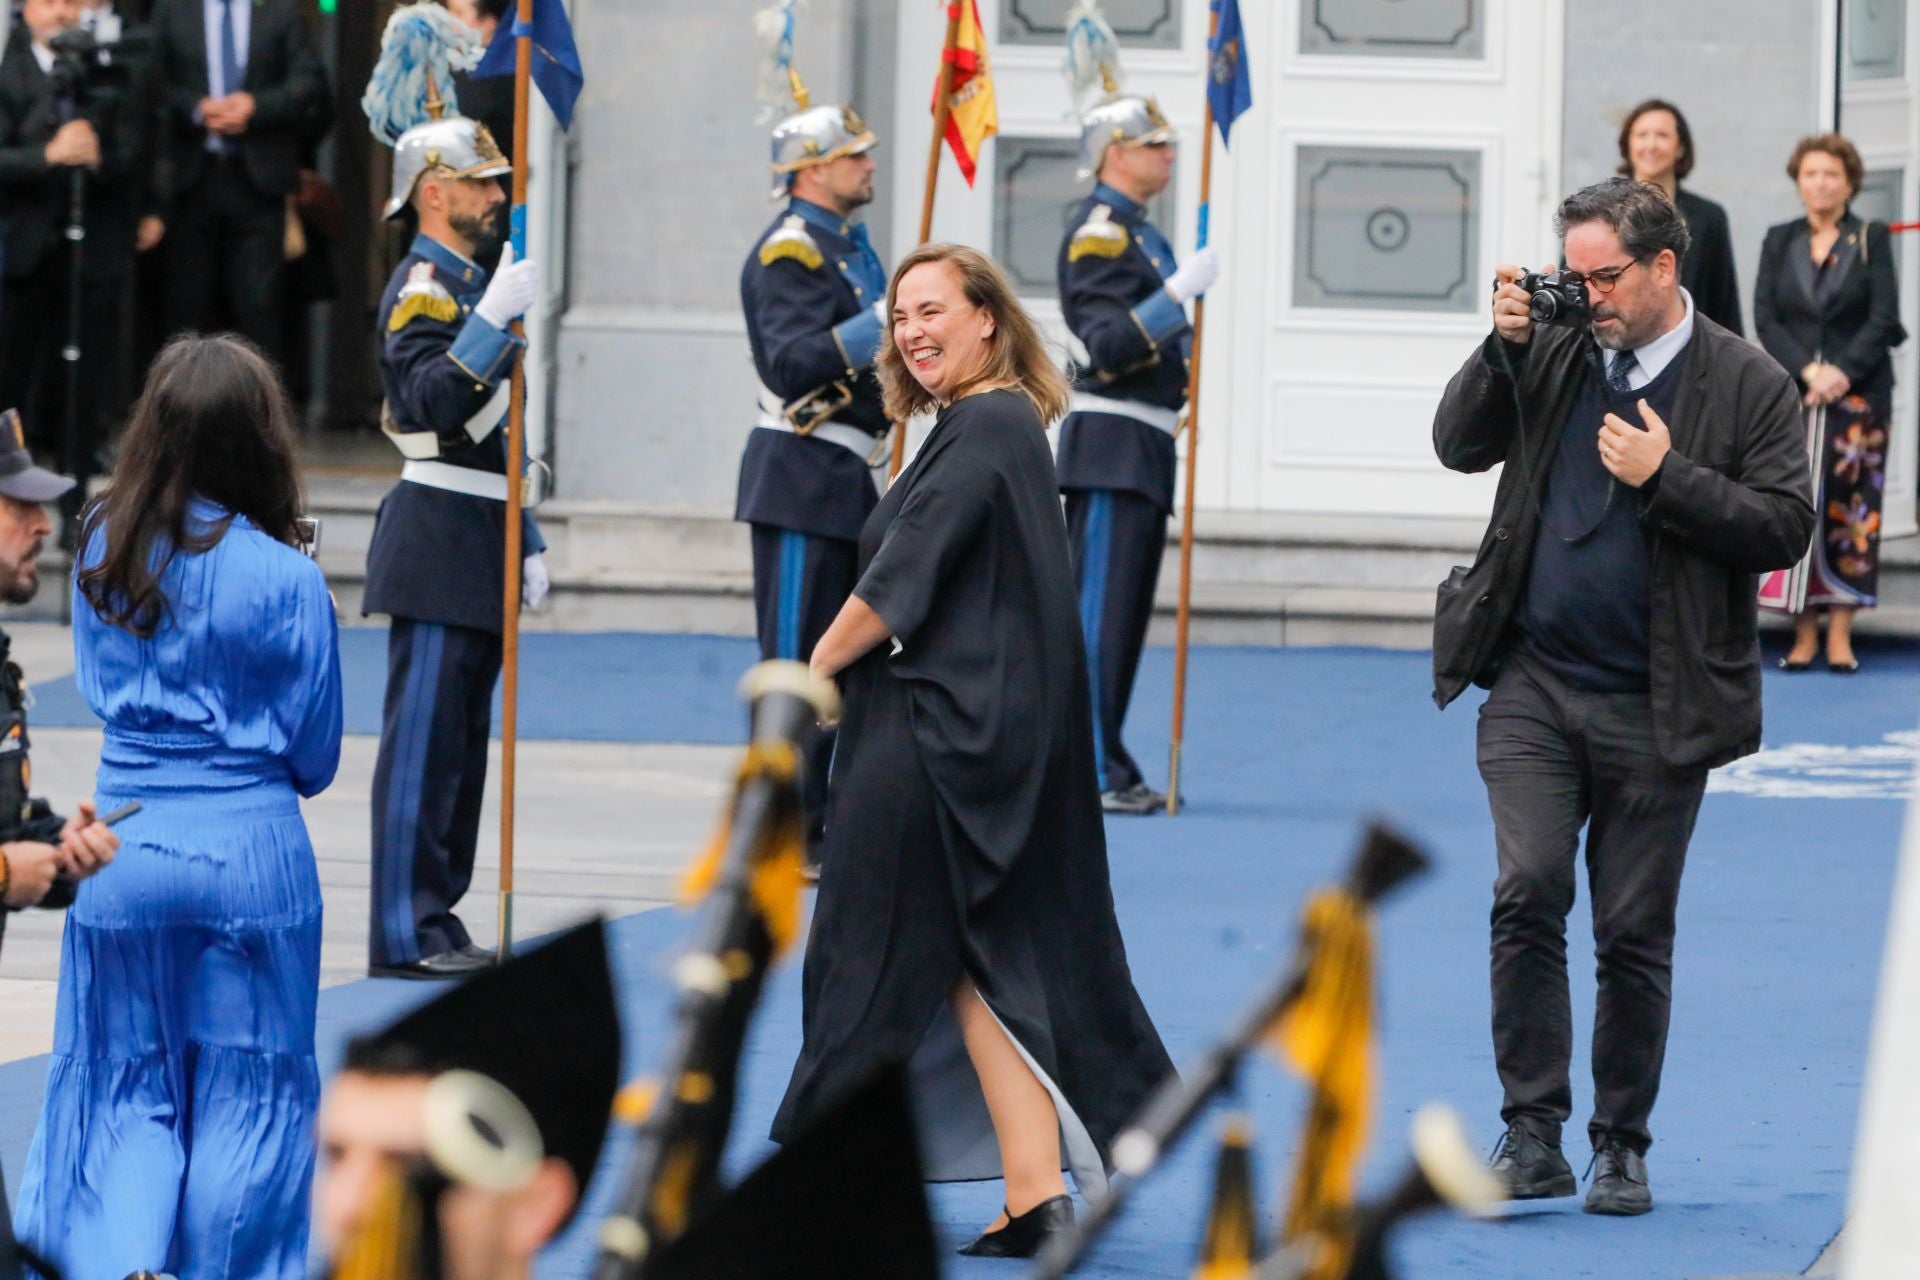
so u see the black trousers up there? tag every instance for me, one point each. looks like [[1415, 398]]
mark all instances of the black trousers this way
[[799, 583], [1554, 759], [226, 258], [1118, 540], [33, 374], [428, 780], [9, 1251]]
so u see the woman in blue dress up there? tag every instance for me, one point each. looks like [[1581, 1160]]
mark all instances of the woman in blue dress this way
[[177, 1134]]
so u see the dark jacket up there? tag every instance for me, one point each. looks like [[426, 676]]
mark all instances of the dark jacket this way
[[283, 73], [1112, 268], [35, 195], [437, 555], [1730, 501], [21, 816], [808, 301], [1708, 271], [1858, 326]]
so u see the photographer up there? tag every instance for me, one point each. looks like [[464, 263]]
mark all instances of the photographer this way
[[63, 110], [1654, 465]]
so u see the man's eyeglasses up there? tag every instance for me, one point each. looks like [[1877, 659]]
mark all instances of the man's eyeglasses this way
[[1603, 280]]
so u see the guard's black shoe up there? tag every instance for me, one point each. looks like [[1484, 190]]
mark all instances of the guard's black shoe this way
[[1136, 799], [1531, 1167], [448, 964], [478, 953], [1619, 1185], [1025, 1235]]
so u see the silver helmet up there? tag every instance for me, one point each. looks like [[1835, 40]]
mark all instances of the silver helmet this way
[[453, 146], [1125, 121], [814, 136]]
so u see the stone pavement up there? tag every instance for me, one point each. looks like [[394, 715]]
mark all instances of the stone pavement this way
[[601, 827]]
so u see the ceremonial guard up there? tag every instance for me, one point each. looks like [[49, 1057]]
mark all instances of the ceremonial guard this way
[[1123, 296], [437, 563], [814, 292]]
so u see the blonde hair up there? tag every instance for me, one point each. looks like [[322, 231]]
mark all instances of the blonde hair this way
[[1016, 353]]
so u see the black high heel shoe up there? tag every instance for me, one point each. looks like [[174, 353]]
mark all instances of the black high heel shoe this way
[[1795, 668], [1023, 1236]]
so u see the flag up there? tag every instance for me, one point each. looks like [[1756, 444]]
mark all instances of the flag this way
[[556, 62], [975, 116], [1229, 83]]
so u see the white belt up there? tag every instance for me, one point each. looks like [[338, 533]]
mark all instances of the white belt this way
[[444, 475], [1168, 420], [871, 448]]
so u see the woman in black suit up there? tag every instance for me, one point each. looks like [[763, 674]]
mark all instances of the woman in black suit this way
[[1657, 147], [1826, 305]]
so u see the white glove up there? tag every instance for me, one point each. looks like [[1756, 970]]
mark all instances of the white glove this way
[[512, 290], [880, 314], [534, 583], [1192, 277]]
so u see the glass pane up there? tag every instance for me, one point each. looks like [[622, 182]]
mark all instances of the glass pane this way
[[1876, 33], [1035, 193], [1387, 228], [1394, 28], [1140, 24], [1878, 200]]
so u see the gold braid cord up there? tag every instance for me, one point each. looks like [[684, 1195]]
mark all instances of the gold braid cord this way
[[779, 862], [1326, 1036], [387, 1246]]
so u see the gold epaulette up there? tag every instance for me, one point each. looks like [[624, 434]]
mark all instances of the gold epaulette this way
[[1098, 237], [792, 241], [422, 295]]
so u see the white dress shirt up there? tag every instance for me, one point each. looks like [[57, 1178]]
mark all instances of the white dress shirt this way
[[217, 86]]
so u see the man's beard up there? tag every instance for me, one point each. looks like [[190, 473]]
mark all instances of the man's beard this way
[[23, 583], [485, 231], [1626, 335]]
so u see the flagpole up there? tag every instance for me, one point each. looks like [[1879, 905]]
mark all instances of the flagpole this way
[[1183, 617], [516, 470], [942, 113]]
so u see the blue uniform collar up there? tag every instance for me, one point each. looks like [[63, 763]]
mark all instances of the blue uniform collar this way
[[1125, 207], [468, 272], [823, 218]]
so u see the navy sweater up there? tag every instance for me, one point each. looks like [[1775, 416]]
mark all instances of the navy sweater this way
[[1584, 613]]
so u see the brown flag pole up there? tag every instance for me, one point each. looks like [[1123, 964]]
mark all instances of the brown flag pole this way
[[1184, 616], [942, 113], [516, 467]]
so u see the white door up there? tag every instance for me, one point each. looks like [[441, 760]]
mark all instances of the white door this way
[[1396, 151], [1880, 112]]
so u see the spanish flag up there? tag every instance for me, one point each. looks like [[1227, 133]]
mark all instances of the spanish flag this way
[[974, 115]]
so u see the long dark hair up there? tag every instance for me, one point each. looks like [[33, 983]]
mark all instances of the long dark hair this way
[[213, 423]]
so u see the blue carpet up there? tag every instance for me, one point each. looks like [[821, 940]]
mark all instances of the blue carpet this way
[[1287, 752]]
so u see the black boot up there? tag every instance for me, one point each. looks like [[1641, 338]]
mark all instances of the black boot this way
[[1531, 1167], [1619, 1185]]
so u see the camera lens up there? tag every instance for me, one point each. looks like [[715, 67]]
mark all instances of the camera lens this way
[[1545, 307]]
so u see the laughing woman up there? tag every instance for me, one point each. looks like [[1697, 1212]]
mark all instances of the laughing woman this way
[[965, 920]]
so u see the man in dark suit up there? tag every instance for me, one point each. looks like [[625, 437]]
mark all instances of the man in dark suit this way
[[1124, 297], [47, 135], [243, 89]]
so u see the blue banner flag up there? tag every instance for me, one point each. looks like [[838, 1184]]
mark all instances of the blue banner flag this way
[[1229, 83], [556, 62]]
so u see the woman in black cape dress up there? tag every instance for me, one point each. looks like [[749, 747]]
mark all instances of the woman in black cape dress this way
[[964, 835]]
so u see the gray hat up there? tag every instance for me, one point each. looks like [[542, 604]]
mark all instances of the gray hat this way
[[19, 478]]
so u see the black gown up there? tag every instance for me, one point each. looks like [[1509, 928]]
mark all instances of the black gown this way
[[964, 831]]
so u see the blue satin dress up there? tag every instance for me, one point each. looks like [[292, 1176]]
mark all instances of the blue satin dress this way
[[177, 1134]]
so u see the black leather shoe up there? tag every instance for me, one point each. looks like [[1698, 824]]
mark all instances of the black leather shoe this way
[[1619, 1185], [1025, 1235], [1791, 667], [1139, 799], [1843, 668], [478, 953], [448, 964], [1531, 1167]]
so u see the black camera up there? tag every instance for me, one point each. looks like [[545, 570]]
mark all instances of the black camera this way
[[84, 68], [1558, 297]]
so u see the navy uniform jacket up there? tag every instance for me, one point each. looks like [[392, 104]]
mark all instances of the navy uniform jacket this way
[[437, 555], [808, 290], [1112, 268]]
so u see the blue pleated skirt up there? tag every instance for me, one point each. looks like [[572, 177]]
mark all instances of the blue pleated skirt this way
[[177, 1134]]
